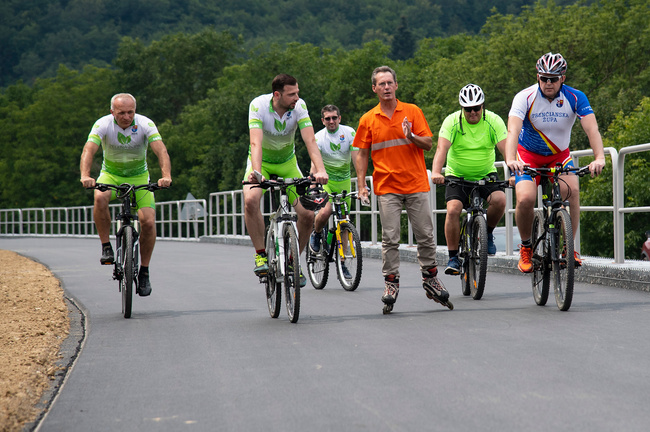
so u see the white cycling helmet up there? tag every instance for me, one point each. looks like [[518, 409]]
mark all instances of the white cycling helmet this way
[[551, 64], [471, 95]]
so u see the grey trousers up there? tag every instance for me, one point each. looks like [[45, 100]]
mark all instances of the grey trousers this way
[[419, 214]]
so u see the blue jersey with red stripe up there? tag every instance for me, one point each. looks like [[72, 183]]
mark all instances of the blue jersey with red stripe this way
[[547, 124]]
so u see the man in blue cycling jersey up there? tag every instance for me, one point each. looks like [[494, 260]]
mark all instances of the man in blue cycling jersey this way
[[539, 130]]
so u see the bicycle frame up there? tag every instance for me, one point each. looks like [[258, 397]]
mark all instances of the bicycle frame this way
[[340, 215], [277, 220]]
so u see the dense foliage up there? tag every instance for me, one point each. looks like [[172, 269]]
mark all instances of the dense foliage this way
[[38, 35], [197, 87]]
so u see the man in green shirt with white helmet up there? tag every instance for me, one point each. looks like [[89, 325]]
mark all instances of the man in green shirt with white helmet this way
[[466, 140]]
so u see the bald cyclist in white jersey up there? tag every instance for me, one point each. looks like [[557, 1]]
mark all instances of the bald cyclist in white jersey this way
[[125, 137]]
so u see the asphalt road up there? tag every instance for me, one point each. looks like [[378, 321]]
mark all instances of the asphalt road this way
[[202, 354]]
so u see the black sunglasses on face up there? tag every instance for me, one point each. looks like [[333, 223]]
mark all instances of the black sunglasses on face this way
[[331, 118], [474, 108], [552, 80]]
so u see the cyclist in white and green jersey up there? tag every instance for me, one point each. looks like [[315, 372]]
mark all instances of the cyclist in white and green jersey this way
[[335, 144], [467, 140], [125, 137], [272, 121]]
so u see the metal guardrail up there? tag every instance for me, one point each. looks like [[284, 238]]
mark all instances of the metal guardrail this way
[[189, 220]]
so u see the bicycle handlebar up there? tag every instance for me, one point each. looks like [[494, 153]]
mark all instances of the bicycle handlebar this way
[[556, 171], [483, 182], [344, 194], [124, 188], [282, 182]]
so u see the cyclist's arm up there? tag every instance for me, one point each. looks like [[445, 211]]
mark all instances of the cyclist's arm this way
[[319, 173], [86, 162], [256, 136], [164, 161], [439, 160], [514, 128], [590, 126]]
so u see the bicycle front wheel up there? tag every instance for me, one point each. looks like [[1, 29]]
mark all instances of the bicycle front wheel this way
[[272, 286], [318, 263], [350, 264], [564, 261], [291, 272], [541, 270], [478, 255], [127, 271]]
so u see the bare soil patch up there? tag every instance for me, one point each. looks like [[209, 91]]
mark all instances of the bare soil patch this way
[[34, 322]]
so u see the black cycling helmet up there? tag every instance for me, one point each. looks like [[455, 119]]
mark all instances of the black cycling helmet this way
[[315, 198]]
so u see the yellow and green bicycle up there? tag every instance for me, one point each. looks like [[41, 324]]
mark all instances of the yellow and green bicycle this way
[[341, 245]]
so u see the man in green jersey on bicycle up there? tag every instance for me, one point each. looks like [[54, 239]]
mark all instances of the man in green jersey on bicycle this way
[[335, 144], [466, 140], [272, 121], [125, 137]]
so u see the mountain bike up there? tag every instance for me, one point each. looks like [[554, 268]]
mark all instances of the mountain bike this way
[[473, 242], [552, 238], [282, 249], [127, 234], [340, 244]]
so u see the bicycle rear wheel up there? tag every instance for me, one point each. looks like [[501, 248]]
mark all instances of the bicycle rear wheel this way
[[352, 258], [291, 272], [318, 263], [272, 286], [541, 270], [463, 256], [126, 284], [478, 256], [564, 265]]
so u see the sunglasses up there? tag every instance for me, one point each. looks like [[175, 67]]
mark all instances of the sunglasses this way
[[552, 80], [474, 108], [331, 118]]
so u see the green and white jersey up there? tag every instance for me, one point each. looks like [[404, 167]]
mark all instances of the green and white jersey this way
[[125, 150], [278, 144], [472, 153], [335, 149]]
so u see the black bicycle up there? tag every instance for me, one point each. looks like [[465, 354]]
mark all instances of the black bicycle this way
[[473, 242], [340, 244], [127, 234], [552, 238]]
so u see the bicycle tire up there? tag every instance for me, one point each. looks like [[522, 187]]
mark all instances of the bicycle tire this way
[[463, 250], [127, 271], [541, 271], [272, 287], [478, 257], [564, 265], [353, 257], [291, 272], [318, 263]]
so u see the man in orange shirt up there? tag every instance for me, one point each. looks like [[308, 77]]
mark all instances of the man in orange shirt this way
[[397, 134]]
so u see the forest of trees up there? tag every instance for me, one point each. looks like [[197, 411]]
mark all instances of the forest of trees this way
[[196, 85]]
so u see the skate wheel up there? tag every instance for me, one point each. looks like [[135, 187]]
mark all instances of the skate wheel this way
[[450, 305], [388, 308]]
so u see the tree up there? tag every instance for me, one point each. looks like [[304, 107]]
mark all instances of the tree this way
[[403, 42]]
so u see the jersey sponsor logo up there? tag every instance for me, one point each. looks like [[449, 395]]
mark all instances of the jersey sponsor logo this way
[[335, 147], [254, 108], [134, 129], [123, 139], [280, 126]]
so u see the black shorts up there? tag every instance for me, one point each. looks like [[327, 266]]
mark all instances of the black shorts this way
[[461, 193]]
